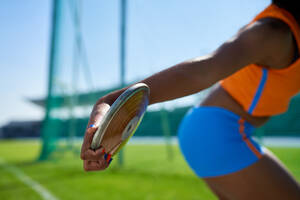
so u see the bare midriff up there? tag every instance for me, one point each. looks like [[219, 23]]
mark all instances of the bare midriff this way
[[220, 98]]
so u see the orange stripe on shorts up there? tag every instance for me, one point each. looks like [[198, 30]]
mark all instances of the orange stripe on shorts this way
[[246, 139]]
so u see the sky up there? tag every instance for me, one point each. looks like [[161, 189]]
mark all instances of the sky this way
[[160, 34]]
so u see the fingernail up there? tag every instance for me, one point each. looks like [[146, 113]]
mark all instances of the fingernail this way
[[92, 125], [108, 158]]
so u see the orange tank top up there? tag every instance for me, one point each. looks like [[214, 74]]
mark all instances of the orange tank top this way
[[263, 91]]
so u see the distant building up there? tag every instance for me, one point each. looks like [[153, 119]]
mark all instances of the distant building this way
[[23, 129]]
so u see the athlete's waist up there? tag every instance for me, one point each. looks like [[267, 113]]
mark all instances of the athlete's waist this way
[[220, 98]]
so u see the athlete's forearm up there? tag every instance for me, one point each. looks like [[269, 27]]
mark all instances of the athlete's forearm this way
[[183, 79]]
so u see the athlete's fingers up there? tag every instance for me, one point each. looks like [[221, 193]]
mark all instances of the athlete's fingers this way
[[95, 165], [94, 160], [93, 155], [88, 137], [98, 113], [91, 165], [96, 116]]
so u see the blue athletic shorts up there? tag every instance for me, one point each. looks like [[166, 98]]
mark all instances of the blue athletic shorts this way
[[216, 142]]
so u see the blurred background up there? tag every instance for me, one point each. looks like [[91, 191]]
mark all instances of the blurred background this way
[[57, 57]]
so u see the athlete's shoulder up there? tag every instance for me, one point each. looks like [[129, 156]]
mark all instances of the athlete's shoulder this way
[[275, 25], [277, 43], [268, 29], [266, 38]]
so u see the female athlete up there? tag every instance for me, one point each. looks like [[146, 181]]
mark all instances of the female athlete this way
[[256, 73]]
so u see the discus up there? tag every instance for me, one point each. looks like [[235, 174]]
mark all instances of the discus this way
[[121, 120]]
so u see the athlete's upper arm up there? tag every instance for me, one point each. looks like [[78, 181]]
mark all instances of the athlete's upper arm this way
[[253, 44]]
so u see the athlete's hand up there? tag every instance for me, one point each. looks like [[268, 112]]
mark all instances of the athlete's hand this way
[[94, 159]]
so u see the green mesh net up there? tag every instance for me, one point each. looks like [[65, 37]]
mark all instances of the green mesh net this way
[[91, 44]]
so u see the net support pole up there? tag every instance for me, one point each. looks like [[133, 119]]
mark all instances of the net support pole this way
[[47, 146], [123, 20], [167, 133]]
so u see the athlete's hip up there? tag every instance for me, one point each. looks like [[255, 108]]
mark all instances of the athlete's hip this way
[[215, 141]]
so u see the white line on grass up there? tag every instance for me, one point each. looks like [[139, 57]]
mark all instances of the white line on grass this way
[[43, 192]]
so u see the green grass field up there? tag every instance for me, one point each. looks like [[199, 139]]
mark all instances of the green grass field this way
[[147, 174]]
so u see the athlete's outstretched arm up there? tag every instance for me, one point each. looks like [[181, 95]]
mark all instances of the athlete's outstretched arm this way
[[254, 44], [251, 45]]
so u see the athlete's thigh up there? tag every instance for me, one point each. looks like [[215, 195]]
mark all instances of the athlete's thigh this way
[[218, 193], [266, 179]]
